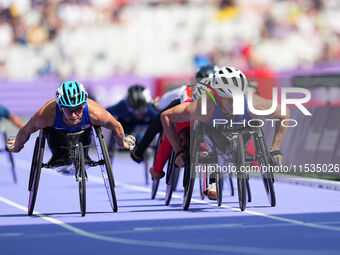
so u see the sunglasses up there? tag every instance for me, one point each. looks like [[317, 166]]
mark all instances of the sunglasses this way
[[75, 110]]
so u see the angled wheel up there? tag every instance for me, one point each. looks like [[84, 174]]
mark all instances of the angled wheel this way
[[188, 183], [248, 189], [81, 177], [105, 167], [155, 183], [219, 187], [239, 161], [203, 181], [171, 175], [231, 184], [11, 160], [267, 175], [33, 185]]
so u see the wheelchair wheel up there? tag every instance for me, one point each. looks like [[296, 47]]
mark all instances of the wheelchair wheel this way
[[188, 183], [203, 181], [155, 183], [219, 187], [81, 177], [239, 159], [11, 160], [171, 174], [248, 189], [267, 175], [36, 166], [231, 184], [106, 167]]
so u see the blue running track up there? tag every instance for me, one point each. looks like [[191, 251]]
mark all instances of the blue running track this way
[[306, 220]]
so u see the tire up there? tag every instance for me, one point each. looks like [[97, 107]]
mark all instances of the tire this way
[[248, 189], [239, 160], [155, 183], [267, 176], [11, 160], [230, 179], [33, 164], [108, 177], [170, 178], [219, 187], [203, 181], [80, 171], [189, 175], [36, 173]]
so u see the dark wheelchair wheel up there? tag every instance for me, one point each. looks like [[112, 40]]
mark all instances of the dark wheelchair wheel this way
[[248, 189], [38, 155], [188, 183], [33, 164], [171, 175], [203, 181], [267, 175], [219, 187], [11, 160], [231, 184], [81, 176], [107, 175], [239, 160], [155, 183]]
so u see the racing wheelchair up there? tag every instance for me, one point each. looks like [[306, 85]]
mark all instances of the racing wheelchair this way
[[236, 139], [76, 161], [9, 154]]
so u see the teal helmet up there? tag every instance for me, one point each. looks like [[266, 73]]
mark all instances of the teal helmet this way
[[71, 94]]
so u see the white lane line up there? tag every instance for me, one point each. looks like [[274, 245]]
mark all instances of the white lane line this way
[[174, 245], [10, 234]]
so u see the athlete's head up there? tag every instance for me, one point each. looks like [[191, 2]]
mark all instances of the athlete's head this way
[[137, 99], [71, 97], [205, 72], [227, 80]]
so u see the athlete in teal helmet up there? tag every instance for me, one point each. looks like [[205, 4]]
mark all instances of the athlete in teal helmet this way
[[70, 111], [71, 94]]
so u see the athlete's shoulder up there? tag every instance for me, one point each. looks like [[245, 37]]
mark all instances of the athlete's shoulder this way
[[44, 117], [96, 112]]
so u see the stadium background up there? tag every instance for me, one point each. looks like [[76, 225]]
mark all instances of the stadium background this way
[[109, 45]]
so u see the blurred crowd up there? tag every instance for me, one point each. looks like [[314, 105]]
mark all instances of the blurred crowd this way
[[100, 38]]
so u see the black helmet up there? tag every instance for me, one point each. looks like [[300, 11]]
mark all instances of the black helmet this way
[[205, 72], [138, 97]]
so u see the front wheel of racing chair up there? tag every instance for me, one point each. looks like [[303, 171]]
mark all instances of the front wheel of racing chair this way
[[36, 166], [265, 161], [80, 173], [105, 166], [10, 156], [189, 168], [155, 182], [239, 162], [172, 174]]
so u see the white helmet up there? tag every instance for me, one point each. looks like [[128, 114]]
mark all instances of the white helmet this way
[[228, 79]]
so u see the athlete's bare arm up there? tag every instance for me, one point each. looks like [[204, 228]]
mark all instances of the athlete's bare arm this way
[[41, 119], [100, 117], [180, 113]]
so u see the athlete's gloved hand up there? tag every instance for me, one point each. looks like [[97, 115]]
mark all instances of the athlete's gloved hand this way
[[10, 144], [277, 156], [129, 142]]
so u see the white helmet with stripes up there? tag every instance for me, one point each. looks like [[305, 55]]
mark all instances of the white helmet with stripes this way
[[227, 79]]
